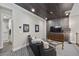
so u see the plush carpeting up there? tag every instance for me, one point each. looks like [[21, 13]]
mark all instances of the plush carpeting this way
[[69, 50], [7, 51]]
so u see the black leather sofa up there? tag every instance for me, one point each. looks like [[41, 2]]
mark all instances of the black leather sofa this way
[[39, 50], [36, 48]]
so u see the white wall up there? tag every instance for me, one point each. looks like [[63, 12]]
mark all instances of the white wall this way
[[20, 17], [63, 22], [1, 43], [74, 22], [53, 22]]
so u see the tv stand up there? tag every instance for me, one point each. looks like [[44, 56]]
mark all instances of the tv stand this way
[[57, 37]]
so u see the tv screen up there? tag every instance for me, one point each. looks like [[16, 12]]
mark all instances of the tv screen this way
[[55, 29], [52, 29]]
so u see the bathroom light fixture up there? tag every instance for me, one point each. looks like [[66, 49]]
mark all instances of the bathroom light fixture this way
[[33, 10]]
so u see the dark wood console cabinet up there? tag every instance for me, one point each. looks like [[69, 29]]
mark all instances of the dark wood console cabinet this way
[[56, 36]]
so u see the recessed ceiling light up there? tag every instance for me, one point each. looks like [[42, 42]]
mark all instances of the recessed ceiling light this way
[[5, 17], [51, 12], [67, 14], [46, 18], [33, 10]]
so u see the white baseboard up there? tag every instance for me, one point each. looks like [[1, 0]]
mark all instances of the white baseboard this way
[[15, 49]]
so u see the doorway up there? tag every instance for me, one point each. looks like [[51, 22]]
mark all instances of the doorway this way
[[7, 41], [6, 29]]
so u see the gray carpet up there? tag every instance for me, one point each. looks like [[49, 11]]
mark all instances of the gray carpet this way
[[22, 52], [69, 50], [7, 51]]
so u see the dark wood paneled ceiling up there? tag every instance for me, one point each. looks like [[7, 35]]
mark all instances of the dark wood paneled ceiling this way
[[43, 9]]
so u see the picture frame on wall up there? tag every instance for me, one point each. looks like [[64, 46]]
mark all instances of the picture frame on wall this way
[[25, 27], [36, 28]]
